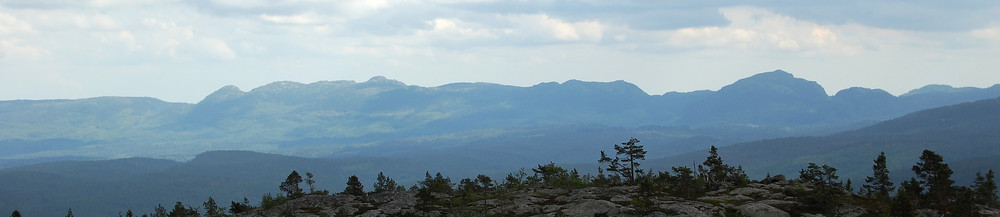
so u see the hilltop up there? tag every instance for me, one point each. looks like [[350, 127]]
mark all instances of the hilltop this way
[[351, 119]]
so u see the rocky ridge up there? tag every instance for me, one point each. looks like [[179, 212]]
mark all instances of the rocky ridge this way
[[753, 200]]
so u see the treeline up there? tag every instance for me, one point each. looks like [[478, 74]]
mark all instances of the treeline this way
[[817, 189]]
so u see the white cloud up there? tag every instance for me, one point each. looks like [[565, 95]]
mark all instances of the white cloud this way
[[449, 40], [217, 48], [509, 30], [13, 32], [367, 4], [123, 37], [181, 43], [11, 25], [16, 48], [454, 29], [990, 34], [759, 29], [96, 21], [542, 25], [298, 19]]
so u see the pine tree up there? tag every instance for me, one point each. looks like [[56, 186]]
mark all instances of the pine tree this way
[[902, 204], [354, 187], [291, 185], [69, 213], [627, 167], [179, 210], [436, 184], [716, 174], [828, 191], [878, 185], [964, 203], [212, 209], [384, 184], [236, 208], [936, 178], [160, 211], [485, 183], [310, 182], [985, 189], [716, 169], [15, 214], [684, 184]]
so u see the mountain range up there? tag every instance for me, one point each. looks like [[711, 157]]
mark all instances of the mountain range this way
[[965, 134], [236, 144], [346, 118]]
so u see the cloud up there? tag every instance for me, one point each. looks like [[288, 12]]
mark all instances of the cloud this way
[[63, 4], [10, 25], [455, 29], [760, 29], [123, 37], [96, 21], [12, 42], [16, 48], [298, 19], [181, 43], [217, 48], [544, 26], [991, 34]]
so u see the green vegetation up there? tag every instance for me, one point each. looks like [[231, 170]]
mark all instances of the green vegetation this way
[[718, 174], [626, 161], [291, 185], [354, 187], [817, 190]]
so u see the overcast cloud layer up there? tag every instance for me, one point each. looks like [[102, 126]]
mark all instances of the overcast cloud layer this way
[[182, 50]]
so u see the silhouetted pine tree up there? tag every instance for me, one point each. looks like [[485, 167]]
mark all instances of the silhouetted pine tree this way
[[985, 189], [212, 209], [291, 185], [236, 208], [878, 185], [902, 204], [935, 176], [354, 187], [627, 167], [310, 182], [384, 184]]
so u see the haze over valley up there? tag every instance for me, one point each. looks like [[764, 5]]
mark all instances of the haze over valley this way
[[448, 108], [345, 128]]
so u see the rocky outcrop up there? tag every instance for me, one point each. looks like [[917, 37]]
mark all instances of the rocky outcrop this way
[[750, 200], [760, 210]]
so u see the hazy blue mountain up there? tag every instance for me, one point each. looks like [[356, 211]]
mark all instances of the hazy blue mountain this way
[[966, 135], [770, 98], [104, 188], [959, 132], [337, 118]]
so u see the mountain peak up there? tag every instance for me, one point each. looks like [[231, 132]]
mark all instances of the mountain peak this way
[[775, 75], [934, 88], [225, 93], [382, 80], [775, 84], [618, 87]]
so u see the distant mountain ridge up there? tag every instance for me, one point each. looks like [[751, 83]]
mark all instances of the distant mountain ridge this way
[[966, 131], [967, 135], [347, 114]]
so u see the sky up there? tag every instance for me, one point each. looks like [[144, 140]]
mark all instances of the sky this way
[[182, 50]]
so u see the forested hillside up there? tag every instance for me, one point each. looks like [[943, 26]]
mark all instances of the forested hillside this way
[[964, 131]]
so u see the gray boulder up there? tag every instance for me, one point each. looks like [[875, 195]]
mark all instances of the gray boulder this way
[[760, 210], [591, 207]]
